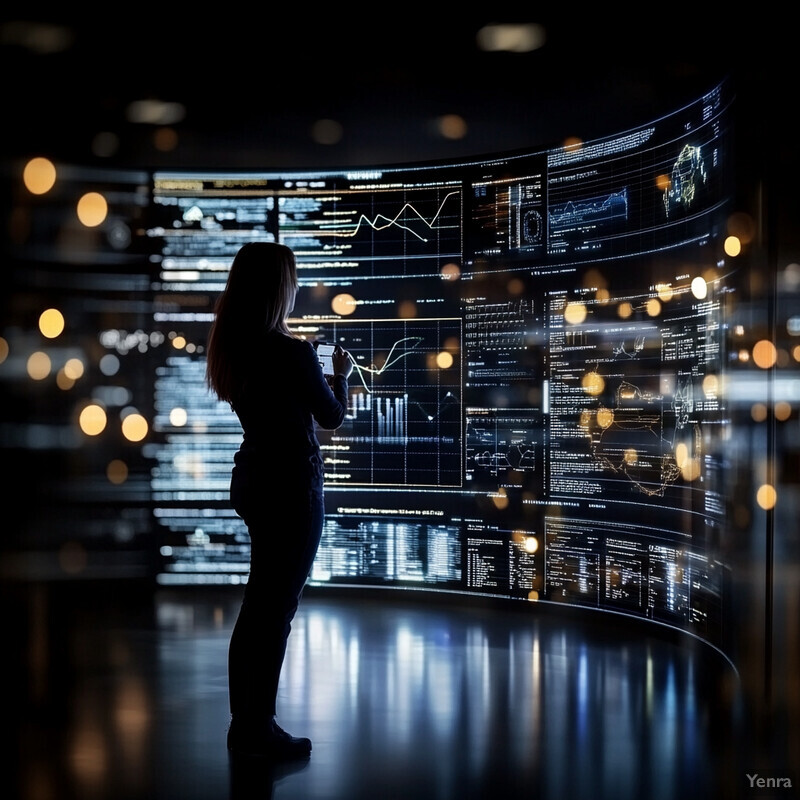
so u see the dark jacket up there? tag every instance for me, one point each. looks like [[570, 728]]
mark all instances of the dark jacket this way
[[283, 398]]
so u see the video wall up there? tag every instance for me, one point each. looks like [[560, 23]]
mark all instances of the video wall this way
[[536, 409]]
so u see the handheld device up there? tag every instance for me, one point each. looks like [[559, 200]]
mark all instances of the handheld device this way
[[325, 356]]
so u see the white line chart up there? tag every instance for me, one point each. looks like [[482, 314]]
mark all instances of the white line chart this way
[[413, 343], [404, 421], [381, 222]]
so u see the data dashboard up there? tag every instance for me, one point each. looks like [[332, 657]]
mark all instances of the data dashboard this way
[[536, 409]]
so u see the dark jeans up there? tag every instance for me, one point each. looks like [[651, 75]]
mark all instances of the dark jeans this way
[[284, 519]]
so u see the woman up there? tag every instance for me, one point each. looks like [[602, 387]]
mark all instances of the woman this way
[[274, 384]]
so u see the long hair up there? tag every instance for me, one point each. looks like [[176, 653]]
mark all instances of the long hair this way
[[258, 296]]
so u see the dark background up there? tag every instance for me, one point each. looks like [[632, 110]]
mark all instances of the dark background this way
[[252, 81]]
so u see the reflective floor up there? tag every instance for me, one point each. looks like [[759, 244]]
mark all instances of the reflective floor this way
[[122, 694]]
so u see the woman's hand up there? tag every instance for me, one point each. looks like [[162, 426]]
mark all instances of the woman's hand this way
[[342, 362]]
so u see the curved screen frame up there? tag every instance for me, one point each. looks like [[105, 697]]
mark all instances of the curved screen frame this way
[[536, 410]]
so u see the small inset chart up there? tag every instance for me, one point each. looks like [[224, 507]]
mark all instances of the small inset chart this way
[[404, 423], [382, 233]]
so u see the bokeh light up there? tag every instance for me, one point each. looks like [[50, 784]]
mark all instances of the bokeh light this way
[[604, 417], [39, 365], [575, 313], [732, 246], [165, 139], [593, 383], [690, 469], [134, 427], [791, 277], [444, 360], [74, 368], [511, 37], [783, 410], [51, 323], [500, 499], [39, 175], [343, 304], [407, 309], [766, 496], [452, 126], [92, 209], [515, 286], [665, 292], [765, 354], [64, 381], [699, 288], [653, 307], [451, 271], [117, 471], [531, 544], [178, 417], [710, 386], [153, 111], [93, 419], [109, 364]]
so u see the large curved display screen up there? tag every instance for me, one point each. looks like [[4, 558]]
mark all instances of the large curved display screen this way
[[535, 410]]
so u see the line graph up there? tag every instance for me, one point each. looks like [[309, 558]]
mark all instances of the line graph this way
[[595, 211], [412, 342], [404, 421], [380, 222], [391, 229], [502, 441]]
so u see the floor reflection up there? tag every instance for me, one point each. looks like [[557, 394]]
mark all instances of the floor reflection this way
[[403, 699]]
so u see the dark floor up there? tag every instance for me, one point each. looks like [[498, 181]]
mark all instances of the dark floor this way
[[123, 694]]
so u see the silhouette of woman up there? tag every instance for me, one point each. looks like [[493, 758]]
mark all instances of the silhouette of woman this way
[[274, 383]]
